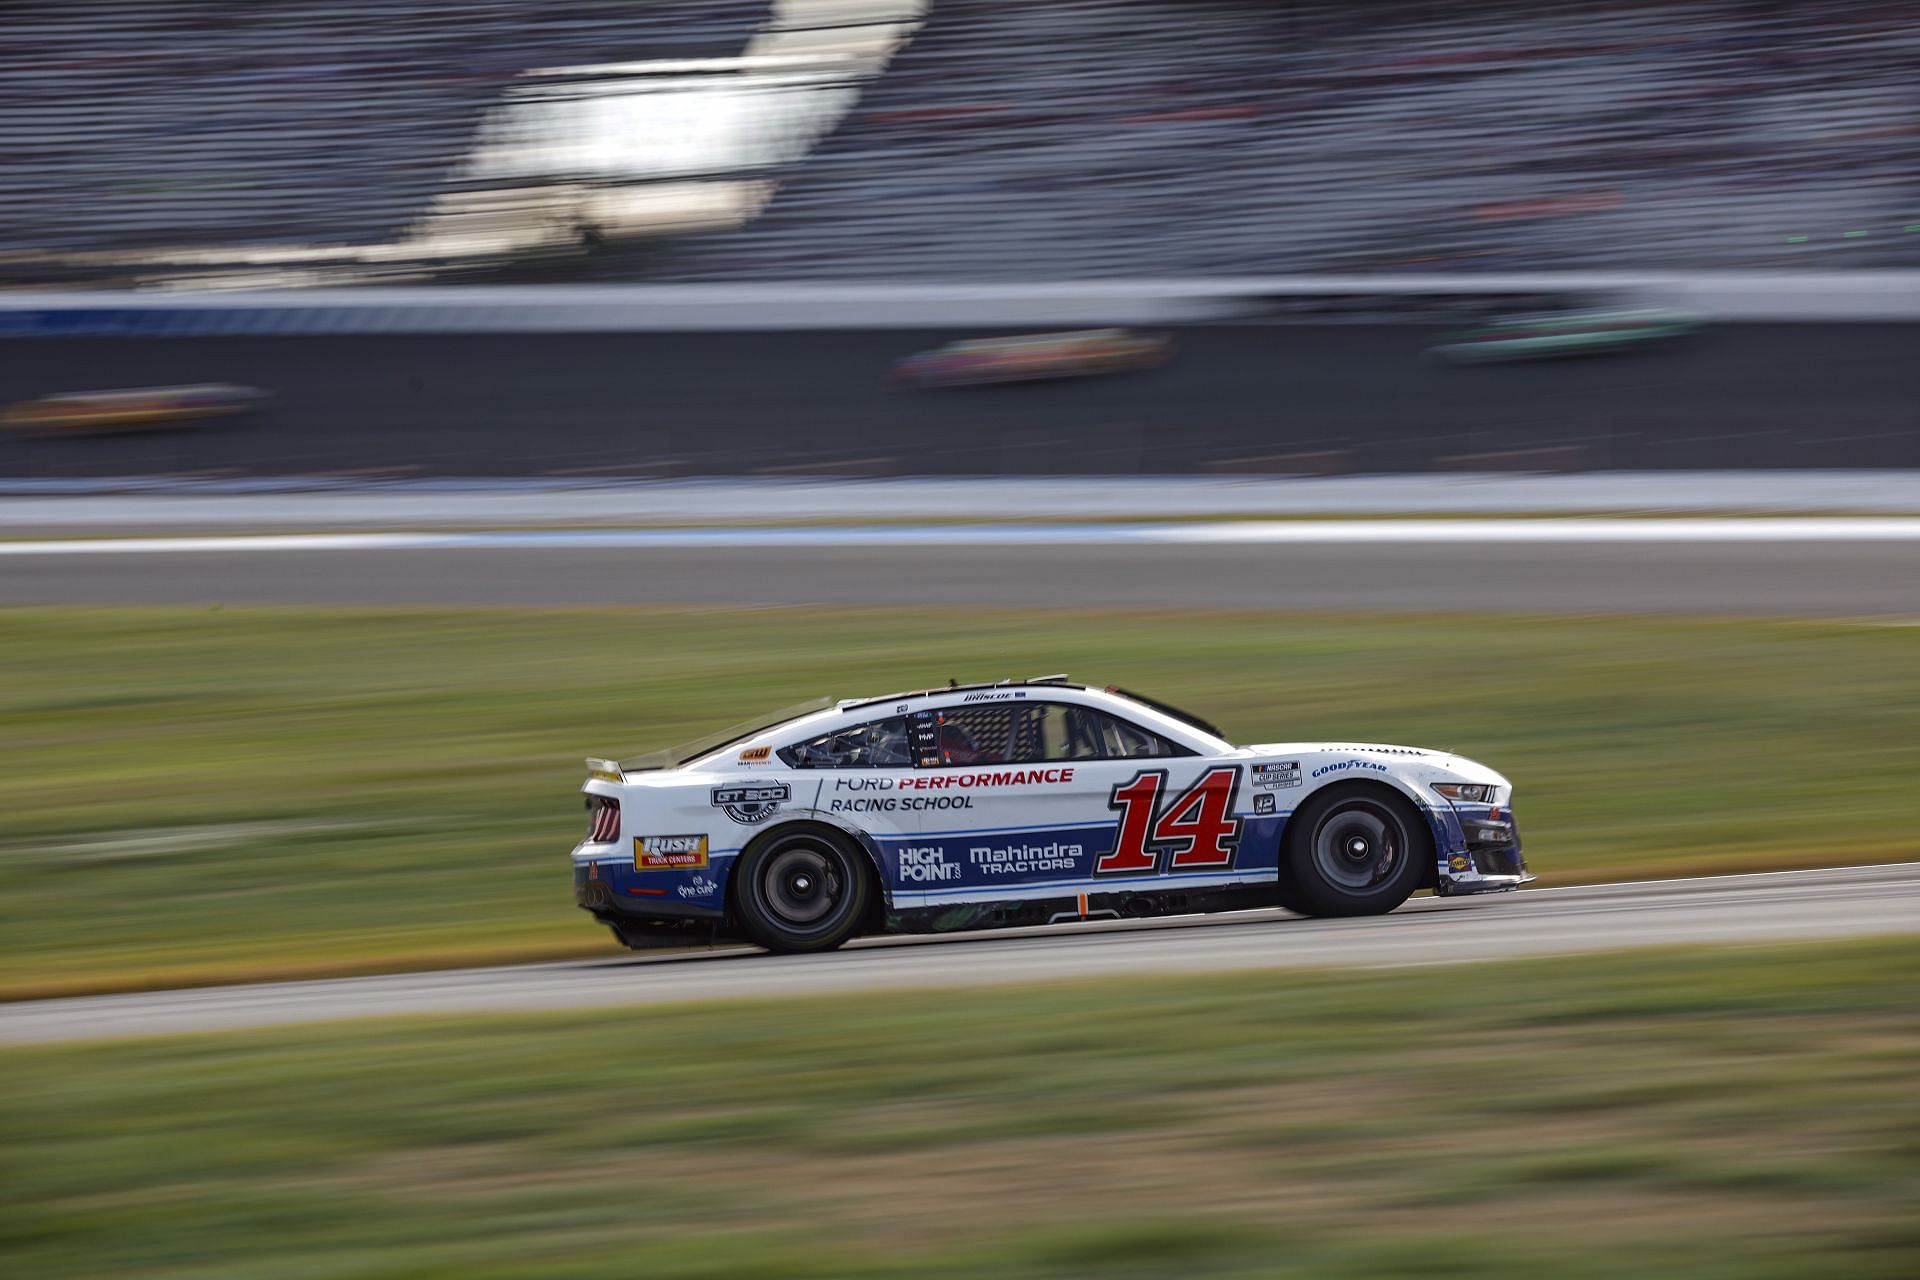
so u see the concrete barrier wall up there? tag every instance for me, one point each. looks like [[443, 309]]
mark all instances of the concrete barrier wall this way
[[1783, 297]]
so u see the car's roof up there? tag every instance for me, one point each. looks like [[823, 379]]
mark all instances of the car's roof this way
[[1048, 683], [1157, 715]]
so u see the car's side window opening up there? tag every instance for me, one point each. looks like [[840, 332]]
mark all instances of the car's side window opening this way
[[1039, 732], [877, 744]]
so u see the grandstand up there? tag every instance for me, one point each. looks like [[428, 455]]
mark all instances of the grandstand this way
[[1008, 140], [1112, 138], [177, 123]]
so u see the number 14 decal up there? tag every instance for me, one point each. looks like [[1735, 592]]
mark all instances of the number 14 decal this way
[[1197, 825]]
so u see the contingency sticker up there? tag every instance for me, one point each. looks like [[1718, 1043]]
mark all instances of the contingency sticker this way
[[1285, 773], [669, 853]]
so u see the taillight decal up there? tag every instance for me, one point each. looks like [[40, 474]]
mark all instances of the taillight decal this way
[[604, 823]]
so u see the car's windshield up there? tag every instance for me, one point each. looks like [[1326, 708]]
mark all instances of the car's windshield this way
[[669, 757]]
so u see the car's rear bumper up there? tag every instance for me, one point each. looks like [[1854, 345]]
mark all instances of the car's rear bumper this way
[[648, 908]]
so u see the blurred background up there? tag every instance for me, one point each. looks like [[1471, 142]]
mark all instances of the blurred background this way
[[756, 140], [402, 400], [1238, 238]]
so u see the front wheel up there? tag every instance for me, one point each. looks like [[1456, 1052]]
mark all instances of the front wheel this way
[[801, 890], [1353, 854]]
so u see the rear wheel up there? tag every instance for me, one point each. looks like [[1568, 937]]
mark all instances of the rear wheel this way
[[1353, 853], [803, 889]]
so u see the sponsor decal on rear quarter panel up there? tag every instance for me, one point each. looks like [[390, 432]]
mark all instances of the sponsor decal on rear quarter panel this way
[[669, 853], [751, 802]]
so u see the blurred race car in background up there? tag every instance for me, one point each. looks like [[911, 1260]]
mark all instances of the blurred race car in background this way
[[1033, 357], [1027, 802], [139, 409], [1547, 335]]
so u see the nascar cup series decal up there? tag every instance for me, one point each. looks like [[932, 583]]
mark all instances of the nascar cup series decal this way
[[751, 802], [669, 853], [1286, 773]]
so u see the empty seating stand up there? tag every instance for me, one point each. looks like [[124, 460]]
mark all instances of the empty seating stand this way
[[1113, 138], [170, 123]]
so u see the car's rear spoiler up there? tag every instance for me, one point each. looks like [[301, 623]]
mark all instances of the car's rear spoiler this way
[[605, 770]]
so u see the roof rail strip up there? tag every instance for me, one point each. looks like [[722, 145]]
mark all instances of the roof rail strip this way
[[1058, 682]]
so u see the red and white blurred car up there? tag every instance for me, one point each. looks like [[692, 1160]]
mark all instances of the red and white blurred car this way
[[1033, 358], [139, 409]]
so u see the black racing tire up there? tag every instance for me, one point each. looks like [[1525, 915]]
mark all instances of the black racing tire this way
[[801, 888], [1353, 852]]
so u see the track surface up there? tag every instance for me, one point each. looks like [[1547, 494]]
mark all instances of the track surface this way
[[1751, 395], [1756, 578], [1427, 931]]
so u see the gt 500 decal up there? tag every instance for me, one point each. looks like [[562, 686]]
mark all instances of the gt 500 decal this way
[[751, 802], [1196, 824]]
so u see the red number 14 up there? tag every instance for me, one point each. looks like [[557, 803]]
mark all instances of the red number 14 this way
[[1196, 824]]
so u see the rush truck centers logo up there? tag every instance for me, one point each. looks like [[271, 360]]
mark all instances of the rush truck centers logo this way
[[669, 853]]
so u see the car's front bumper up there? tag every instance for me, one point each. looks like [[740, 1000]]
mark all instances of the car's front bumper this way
[[1480, 850]]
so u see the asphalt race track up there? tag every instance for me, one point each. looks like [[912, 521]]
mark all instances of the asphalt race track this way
[[1761, 578], [1770, 907], [1360, 398]]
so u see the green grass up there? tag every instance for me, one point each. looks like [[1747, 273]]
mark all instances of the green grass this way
[[211, 795], [1733, 1113]]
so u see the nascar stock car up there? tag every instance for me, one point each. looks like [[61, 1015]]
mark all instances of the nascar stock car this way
[[1553, 334], [1032, 357], [145, 408], [1024, 802]]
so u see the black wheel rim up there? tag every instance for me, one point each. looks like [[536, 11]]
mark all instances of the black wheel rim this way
[[1358, 846], [801, 885]]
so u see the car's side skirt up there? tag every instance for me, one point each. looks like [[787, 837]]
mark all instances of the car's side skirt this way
[[1134, 902]]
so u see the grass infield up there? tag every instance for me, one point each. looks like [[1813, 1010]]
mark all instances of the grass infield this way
[[216, 795], [1733, 1113]]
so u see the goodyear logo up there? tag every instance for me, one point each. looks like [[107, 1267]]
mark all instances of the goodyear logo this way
[[669, 853]]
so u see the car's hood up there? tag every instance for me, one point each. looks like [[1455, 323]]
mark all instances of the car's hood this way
[[1418, 762], [1341, 748]]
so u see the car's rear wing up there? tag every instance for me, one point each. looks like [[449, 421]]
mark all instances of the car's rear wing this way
[[605, 770]]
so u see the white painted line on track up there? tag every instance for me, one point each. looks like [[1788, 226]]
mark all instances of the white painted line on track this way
[[1577, 530]]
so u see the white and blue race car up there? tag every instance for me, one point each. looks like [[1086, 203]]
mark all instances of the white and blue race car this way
[[1026, 802]]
